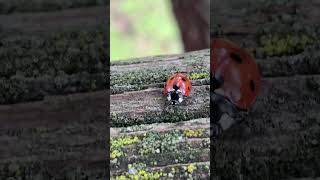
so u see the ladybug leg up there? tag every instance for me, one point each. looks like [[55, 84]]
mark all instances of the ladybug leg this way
[[169, 96], [223, 114], [180, 99]]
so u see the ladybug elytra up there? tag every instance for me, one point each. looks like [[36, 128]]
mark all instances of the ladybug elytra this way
[[234, 73], [177, 87]]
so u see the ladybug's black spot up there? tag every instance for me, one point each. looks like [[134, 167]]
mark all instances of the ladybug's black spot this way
[[188, 87], [175, 87], [236, 58], [252, 86], [184, 79]]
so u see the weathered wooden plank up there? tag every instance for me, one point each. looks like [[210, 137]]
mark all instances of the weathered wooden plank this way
[[151, 106], [203, 123], [162, 147], [55, 111], [62, 131], [184, 61], [237, 18], [43, 22], [153, 71]]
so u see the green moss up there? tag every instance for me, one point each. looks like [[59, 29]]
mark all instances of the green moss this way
[[155, 143], [175, 115], [66, 52], [142, 77], [71, 61], [21, 89]]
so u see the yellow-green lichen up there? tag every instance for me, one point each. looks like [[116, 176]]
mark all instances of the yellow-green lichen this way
[[137, 171], [193, 133], [115, 154], [118, 143], [199, 75], [278, 45], [140, 176], [122, 141], [191, 168]]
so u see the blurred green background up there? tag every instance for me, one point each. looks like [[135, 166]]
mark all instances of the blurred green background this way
[[142, 28]]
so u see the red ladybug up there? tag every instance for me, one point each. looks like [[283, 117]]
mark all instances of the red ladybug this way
[[235, 75], [177, 87]]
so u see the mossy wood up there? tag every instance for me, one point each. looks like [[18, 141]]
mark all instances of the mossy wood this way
[[167, 149]]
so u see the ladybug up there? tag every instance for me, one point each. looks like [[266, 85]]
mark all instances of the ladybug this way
[[235, 74], [235, 82], [177, 87]]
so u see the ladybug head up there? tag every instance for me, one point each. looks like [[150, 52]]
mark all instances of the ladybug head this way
[[175, 95]]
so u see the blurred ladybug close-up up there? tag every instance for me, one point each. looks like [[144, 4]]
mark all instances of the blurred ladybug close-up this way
[[235, 80], [177, 87]]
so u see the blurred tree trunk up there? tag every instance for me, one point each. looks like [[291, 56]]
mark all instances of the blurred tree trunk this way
[[193, 19]]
